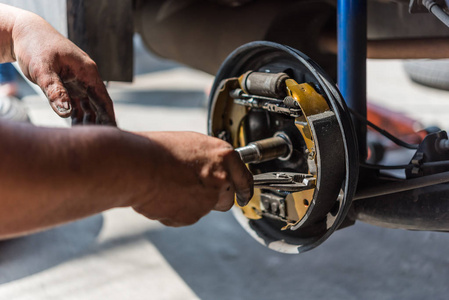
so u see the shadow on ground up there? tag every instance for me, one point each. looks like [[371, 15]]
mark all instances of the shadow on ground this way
[[22, 257], [216, 257]]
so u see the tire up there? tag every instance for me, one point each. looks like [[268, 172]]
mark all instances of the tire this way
[[432, 73]]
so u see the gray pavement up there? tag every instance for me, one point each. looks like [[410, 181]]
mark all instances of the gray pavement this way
[[121, 255]]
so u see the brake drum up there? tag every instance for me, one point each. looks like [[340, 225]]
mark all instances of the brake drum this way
[[264, 89]]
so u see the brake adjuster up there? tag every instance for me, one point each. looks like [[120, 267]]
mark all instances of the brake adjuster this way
[[291, 127]]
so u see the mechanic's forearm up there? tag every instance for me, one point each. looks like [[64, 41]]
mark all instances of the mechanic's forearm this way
[[52, 176]]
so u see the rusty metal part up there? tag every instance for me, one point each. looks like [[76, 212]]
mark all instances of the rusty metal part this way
[[411, 48], [275, 147], [264, 84]]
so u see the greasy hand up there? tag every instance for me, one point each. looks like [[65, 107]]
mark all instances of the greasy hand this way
[[196, 174], [66, 74]]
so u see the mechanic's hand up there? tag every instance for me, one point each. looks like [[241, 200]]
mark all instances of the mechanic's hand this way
[[66, 74], [196, 174]]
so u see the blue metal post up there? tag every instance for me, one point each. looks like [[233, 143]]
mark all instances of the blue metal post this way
[[351, 35]]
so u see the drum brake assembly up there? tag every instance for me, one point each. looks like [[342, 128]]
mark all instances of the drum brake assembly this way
[[290, 125]]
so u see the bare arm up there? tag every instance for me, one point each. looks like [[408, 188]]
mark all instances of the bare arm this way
[[53, 176], [67, 75]]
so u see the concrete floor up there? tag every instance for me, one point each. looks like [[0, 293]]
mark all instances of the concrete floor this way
[[121, 255]]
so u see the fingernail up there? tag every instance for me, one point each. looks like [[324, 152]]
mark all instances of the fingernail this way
[[64, 107]]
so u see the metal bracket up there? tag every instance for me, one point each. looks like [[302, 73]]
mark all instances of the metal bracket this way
[[284, 181]]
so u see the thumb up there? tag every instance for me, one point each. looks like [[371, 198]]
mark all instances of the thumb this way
[[56, 93]]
